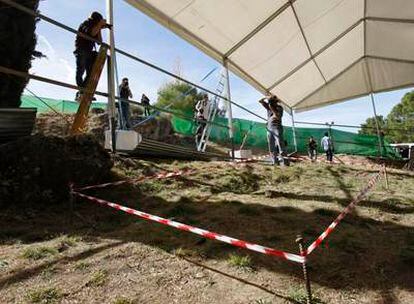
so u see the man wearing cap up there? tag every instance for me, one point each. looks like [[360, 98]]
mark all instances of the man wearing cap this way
[[85, 49], [275, 129]]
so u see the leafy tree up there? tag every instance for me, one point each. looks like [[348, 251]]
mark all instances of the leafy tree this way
[[400, 121], [17, 49], [399, 124], [370, 126], [179, 96]]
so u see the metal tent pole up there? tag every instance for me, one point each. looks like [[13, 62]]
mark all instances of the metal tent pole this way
[[377, 124], [294, 130], [230, 113], [111, 73]]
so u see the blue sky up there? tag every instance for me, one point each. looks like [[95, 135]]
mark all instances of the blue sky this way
[[141, 36]]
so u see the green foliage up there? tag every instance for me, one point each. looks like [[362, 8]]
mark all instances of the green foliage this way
[[17, 49], [402, 117], [240, 261], [82, 265], [44, 295], [38, 253], [299, 296], [122, 301], [98, 278], [370, 125], [180, 95], [398, 126]]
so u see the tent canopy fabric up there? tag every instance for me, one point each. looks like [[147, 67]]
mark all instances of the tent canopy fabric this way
[[310, 53]]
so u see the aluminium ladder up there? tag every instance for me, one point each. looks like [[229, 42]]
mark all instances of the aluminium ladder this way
[[212, 111]]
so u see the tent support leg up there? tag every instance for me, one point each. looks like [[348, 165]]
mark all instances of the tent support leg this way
[[230, 113], [111, 74], [295, 143], [377, 125]]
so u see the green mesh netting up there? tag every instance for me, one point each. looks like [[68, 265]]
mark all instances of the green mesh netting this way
[[344, 142], [62, 106]]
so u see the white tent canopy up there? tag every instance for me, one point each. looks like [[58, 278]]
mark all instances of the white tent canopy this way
[[310, 53]]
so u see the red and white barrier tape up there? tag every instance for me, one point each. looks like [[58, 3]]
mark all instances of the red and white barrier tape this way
[[347, 210], [202, 232], [262, 157], [139, 179]]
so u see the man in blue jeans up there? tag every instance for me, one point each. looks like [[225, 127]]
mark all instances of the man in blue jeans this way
[[275, 129], [125, 93], [85, 49]]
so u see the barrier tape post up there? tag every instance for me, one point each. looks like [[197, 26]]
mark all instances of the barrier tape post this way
[[299, 241]]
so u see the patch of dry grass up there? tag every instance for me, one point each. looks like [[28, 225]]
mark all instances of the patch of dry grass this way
[[98, 278], [37, 253], [47, 295]]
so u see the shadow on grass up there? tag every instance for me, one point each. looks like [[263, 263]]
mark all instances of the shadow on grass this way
[[395, 206], [272, 292], [36, 270], [361, 254]]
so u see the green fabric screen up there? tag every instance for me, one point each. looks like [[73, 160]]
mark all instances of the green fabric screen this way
[[344, 142], [44, 105]]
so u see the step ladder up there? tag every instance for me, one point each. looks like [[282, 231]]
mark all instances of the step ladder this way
[[212, 112], [86, 97]]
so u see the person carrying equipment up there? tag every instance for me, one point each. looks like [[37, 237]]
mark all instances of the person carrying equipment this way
[[312, 145], [85, 52], [327, 146], [275, 129]]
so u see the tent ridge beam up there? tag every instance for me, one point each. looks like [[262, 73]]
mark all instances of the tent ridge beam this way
[[313, 57], [257, 29], [330, 81], [391, 20], [390, 59], [306, 40]]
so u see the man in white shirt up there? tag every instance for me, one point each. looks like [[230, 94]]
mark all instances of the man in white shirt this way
[[327, 146]]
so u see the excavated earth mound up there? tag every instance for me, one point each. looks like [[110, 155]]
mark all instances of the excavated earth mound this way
[[38, 169]]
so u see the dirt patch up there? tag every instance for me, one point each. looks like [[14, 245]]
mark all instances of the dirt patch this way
[[112, 257], [160, 128], [38, 169]]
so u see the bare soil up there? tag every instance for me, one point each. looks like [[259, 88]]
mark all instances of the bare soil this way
[[99, 255]]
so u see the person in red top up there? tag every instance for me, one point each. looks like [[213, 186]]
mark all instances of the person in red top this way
[[85, 52]]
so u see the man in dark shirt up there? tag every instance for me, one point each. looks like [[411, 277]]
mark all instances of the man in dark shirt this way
[[125, 93], [85, 49], [146, 103], [275, 129], [312, 145]]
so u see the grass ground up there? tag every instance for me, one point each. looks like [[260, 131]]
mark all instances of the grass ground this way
[[97, 255]]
